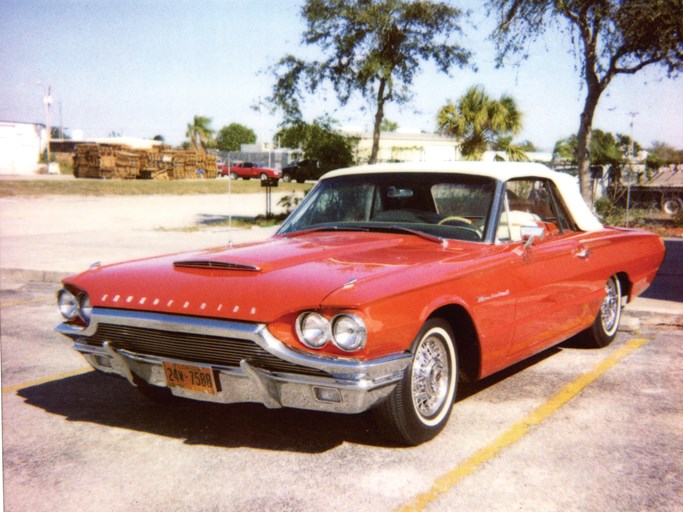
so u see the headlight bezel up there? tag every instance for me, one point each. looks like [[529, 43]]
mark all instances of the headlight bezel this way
[[84, 308], [359, 332], [306, 322], [74, 305], [332, 330]]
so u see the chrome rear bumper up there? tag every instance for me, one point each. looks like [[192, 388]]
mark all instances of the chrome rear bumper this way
[[340, 385]]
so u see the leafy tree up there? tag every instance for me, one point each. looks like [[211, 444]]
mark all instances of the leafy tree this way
[[232, 136], [606, 149], [320, 141], [565, 150], [480, 122], [613, 37], [389, 125], [370, 47], [159, 138], [662, 154], [200, 133]]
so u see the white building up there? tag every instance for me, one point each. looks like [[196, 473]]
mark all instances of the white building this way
[[21, 145], [407, 147]]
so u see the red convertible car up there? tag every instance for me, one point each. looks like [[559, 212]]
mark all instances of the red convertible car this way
[[386, 287], [248, 170]]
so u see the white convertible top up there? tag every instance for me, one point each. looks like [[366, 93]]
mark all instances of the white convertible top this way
[[502, 171]]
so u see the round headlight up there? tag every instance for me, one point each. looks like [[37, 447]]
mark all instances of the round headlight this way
[[348, 332], [68, 304], [313, 330], [85, 308]]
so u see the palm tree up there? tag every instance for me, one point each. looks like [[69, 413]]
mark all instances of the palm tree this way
[[478, 121], [200, 132]]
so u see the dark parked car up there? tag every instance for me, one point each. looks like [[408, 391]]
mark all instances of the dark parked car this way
[[302, 171]]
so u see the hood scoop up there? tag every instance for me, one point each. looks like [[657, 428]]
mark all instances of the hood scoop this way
[[216, 265]]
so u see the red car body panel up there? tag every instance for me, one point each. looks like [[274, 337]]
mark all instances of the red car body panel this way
[[250, 170], [384, 288], [396, 282]]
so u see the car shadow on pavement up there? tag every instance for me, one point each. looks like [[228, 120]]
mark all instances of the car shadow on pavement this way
[[112, 402], [468, 389]]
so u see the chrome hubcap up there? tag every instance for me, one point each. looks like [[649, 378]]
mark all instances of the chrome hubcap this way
[[609, 312], [431, 375]]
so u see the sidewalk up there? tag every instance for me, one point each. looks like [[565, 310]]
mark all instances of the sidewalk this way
[[48, 238]]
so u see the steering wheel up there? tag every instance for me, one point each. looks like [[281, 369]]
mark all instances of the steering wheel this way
[[455, 218]]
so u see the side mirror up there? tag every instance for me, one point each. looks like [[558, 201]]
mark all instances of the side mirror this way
[[532, 234]]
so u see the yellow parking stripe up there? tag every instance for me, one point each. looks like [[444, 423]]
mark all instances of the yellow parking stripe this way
[[36, 382], [448, 481]]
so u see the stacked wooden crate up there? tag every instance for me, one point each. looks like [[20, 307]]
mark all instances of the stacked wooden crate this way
[[94, 161], [160, 163]]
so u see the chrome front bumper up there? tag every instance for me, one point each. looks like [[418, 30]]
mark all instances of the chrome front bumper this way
[[342, 385]]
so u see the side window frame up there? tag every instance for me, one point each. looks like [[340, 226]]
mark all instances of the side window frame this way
[[511, 219]]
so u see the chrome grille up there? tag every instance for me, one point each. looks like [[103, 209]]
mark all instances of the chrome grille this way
[[198, 348]]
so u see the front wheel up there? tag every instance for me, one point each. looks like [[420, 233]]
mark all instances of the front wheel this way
[[604, 329], [419, 406]]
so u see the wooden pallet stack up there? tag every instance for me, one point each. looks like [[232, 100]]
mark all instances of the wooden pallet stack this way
[[94, 161], [107, 161]]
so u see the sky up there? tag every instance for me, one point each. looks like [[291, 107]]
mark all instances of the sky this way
[[142, 68]]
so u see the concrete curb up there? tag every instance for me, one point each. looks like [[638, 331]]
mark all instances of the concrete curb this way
[[23, 275]]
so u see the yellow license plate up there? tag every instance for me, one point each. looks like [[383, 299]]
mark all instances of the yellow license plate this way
[[190, 377]]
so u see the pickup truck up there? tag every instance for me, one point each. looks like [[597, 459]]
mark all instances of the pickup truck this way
[[664, 191]]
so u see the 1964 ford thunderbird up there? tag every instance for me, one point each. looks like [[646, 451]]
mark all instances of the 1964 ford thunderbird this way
[[382, 290]]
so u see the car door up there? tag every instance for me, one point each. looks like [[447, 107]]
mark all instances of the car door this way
[[550, 275]]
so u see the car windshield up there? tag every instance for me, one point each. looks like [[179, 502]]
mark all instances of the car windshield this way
[[439, 205]]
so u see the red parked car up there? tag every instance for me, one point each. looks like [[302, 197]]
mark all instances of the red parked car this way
[[248, 170], [386, 287]]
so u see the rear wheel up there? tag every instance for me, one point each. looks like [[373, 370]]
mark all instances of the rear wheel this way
[[672, 205], [420, 405], [606, 324]]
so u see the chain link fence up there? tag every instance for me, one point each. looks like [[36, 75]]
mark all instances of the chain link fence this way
[[639, 198]]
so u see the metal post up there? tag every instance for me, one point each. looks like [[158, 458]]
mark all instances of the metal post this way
[[47, 100], [631, 158]]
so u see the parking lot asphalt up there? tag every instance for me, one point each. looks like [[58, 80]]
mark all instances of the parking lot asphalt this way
[[47, 238], [569, 430]]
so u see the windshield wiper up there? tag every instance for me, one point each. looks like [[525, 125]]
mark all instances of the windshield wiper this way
[[324, 228], [386, 228], [394, 228]]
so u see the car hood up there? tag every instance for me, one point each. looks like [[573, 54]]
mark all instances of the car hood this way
[[265, 281]]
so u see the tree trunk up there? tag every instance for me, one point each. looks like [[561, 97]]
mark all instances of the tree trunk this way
[[583, 143], [594, 89], [379, 116]]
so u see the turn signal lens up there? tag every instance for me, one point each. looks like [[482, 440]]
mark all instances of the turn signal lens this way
[[68, 304], [348, 332], [313, 329]]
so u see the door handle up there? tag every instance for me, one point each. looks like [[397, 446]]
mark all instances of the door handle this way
[[583, 253]]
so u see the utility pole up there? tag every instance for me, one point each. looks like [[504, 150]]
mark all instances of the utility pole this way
[[631, 158], [47, 100]]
